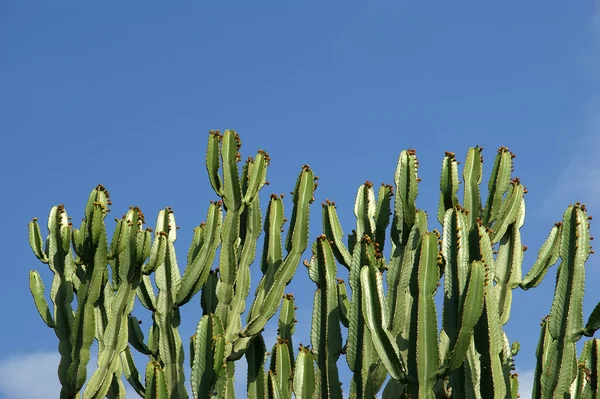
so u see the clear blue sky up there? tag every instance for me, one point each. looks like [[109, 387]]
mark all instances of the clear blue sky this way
[[123, 94]]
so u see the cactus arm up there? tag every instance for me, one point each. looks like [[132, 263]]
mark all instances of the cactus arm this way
[[36, 286], [424, 344], [375, 318], [471, 306], [208, 360], [127, 261], [297, 240], [281, 368], [508, 265], [201, 255], [593, 323], [156, 386], [326, 336], [157, 252], [274, 392], [253, 224], [304, 375], [406, 181], [36, 242], [232, 192], [96, 260], [497, 186], [364, 210], [256, 357], [136, 337], [382, 214], [547, 257], [256, 176], [131, 372], [472, 178], [333, 230], [448, 186], [145, 293], [213, 161], [510, 210], [208, 299]]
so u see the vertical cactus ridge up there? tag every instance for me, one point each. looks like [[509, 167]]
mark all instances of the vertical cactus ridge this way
[[472, 173], [406, 181], [497, 185], [508, 264], [305, 384], [156, 386], [326, 336], [586, 382], [209, 356], [448, 185], [333, 231]]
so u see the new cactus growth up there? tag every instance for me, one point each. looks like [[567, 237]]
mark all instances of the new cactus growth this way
[[387, 307]]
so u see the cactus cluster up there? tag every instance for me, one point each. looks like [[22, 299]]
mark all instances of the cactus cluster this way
[[387, 307]]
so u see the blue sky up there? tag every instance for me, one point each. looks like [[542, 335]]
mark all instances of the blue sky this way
[[124, 94]]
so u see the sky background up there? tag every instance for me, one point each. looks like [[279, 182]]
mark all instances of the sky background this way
[[124, 94]]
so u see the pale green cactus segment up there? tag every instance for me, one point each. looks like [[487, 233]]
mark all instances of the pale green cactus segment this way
[[228, 262], [255, 176], [272, 255], [547, 257], [497, 186], [448, 186], [145, 293], [36, 241], [586, 384], [472, 173], [230, 156], [209, 356], [136, 336], [510, 211], [508, 265], [382, 214], [489, 343], [157, 252], [471, 306], [593, 323], [375, 318], [274, 392], [256, 356], [406, 181], [333, 230], [36, 286], [566, 313], [115, 339], [455, 252], [514, 386], [297, 242], [287, 323], [305, 385], [156, 386], [424, 349], [201, 255], [282, 368], [251, 219], [398, 278], [364, 210], [326, 336], [213, 161], [95, 257]]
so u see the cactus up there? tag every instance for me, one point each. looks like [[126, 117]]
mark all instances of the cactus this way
[[389, 310]]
